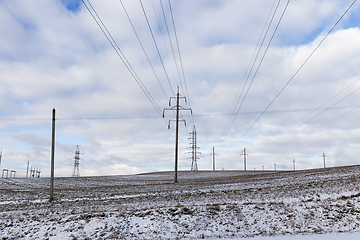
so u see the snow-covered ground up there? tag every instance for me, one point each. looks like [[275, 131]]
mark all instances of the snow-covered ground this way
[[310, 205], [328, 236]]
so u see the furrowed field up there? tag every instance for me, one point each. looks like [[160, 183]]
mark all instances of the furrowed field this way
[[204, 204]]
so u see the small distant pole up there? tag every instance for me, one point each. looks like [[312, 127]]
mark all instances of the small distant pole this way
[[27, 169], [52, 156], [262, 167], [244, 154], [213, 154], [294, 164], [275, 166], [324, 156]]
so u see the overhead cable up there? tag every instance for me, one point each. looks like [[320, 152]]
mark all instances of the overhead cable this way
[[318, 108], [157, 48], [180, 59], [142, 46], [236, 106], [30, 119], [298, 70], [117, 49]]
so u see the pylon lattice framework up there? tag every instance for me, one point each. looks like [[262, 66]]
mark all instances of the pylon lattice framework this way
[[76, 172], [194, 150]]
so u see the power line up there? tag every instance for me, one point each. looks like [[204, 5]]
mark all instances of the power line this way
[[324, 91], [171, 44], [142, 46], [163, 40], [155, 43], [180, 59], [117, 49], [39, 119], [298, 70], [157, 48], [267, 48], [322, 110], [234, 115], [276, 111], [334, 119], [330, 106]]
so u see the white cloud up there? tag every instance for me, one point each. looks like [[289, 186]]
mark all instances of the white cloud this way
[[51, 57]]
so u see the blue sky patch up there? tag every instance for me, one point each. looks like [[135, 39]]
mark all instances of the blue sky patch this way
[[352, 21], [71, 5]]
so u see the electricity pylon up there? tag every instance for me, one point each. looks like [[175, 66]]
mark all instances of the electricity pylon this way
[[76, 172], [177, 107], [194, 150]]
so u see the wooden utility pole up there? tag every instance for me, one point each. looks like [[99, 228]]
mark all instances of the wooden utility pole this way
[[213, 154], [52, 157], [244, 154], [324, 156], [177, 108]]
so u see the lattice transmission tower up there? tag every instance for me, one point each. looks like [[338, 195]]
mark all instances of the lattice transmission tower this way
[[76, 172], [194, 150]]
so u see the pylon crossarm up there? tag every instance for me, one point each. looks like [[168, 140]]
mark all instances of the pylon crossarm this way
[[173, 108], [180, 120], [182, 108]]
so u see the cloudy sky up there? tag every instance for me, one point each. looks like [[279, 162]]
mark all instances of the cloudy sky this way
[[260, 75]]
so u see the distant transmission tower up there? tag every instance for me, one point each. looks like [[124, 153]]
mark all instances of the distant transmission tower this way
[[76, 172], [194, 150]]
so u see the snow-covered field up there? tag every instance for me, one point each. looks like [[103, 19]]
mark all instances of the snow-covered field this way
[[311, 204]]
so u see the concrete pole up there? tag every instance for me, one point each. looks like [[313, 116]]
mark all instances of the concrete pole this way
[[27, 169], [294, 164], [244, 159], [52, 157], [324, 156], [213, 152], [177, 134]]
